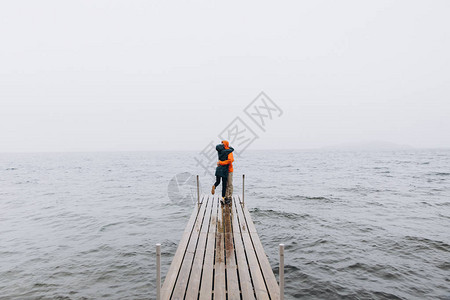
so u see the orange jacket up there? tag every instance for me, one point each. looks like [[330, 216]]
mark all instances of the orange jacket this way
[[230, 159]]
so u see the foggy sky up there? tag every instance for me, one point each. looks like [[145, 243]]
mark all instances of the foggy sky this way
[[171, 75]]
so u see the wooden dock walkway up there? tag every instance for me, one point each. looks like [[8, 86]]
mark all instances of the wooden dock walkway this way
[[220, 256]]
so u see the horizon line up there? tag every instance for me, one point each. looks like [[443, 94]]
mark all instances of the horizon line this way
[[325, 148]]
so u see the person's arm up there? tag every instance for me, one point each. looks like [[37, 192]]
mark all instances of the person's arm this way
[[229, 150], [228, 161]]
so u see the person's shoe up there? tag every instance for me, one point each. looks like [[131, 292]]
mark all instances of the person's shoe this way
[[213, 189], [221, 202]]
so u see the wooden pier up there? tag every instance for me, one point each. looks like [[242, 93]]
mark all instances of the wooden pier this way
[[220, 256]]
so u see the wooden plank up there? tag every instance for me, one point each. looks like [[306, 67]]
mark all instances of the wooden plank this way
[[269, 277], [197, 266], [175, 266], [208, 264], [255, 271], [233, 292], [219, 260], [185, 270], [250, 225], [244, 272]]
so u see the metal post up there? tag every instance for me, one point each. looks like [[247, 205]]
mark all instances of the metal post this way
[[281, 271], [158, 271], [243, 187], [198, 193]]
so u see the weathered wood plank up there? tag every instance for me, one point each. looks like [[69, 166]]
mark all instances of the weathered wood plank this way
[[175, 266], [186, 266], [219, 260], [269, 277], [244, 272], [233, 292], [250, 226], [255, 271], [208, 264], [197, 266]]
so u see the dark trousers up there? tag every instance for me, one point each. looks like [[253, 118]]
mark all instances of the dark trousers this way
[[224, 184]]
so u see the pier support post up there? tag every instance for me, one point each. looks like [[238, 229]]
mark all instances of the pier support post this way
[[198, 193], [281, 271], [158, 271], [243, 187]]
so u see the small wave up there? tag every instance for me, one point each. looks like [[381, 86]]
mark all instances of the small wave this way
[[384, 295], [314, 198], [444, 266], [107, 226], [122, 186], [65, 298], [439, 174], [318, 242], [60, 274], [128, 254], [285, 166], [376, 203], [384, 271], [44, 286], [23, 182], [317, 198], [278, 214], [364, 190], [424, 243], [402, 162]]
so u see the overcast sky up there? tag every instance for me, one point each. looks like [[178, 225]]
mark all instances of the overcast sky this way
[[170, 75]]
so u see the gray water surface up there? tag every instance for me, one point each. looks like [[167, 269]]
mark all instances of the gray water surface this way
[[357, 225]]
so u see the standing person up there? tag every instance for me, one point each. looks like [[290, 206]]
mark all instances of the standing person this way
[[229, 162], [221, 170]]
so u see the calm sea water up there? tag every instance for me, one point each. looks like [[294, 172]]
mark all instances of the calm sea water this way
[[357, 225]]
